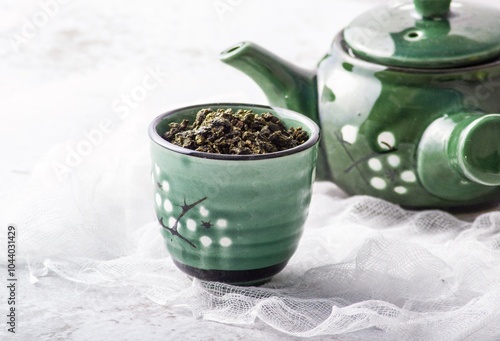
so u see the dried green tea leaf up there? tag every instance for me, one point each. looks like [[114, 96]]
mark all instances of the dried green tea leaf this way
[[240, 133]]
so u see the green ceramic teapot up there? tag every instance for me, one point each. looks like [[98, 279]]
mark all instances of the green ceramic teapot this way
[[407, 97]]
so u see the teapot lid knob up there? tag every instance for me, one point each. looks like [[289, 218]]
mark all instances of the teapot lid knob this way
[[432, 8]]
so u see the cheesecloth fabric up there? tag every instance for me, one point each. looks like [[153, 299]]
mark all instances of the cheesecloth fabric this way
[[365, 269]]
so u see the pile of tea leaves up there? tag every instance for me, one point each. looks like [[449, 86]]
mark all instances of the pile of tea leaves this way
[[240, 133]]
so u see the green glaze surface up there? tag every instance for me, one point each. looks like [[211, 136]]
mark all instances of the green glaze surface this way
[[419, 138], [234, 213], [291, 86], [476, 156], [407, 98], [398, 36], [392, 133], [432, 8], [284, 84], [459, 152]]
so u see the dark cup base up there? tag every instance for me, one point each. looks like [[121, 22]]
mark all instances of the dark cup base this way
[[236, 277]]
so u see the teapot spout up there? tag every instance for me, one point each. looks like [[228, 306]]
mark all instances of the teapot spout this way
[[284, 84], [459, 156]]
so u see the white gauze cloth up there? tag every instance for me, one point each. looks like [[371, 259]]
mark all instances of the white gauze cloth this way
[[365, 269]]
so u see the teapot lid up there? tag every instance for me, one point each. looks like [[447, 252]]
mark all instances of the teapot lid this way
[[426, 34]]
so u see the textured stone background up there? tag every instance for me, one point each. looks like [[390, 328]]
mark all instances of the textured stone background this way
[[66, 72]]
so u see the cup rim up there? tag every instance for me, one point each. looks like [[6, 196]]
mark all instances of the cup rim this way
[[314, 136]]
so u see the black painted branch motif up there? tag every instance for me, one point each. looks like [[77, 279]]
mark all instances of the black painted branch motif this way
[[389, 147], [359, 161], [206, 224], [343, 143], [173, 229], [356, 163], [368, 157], [391, 174]]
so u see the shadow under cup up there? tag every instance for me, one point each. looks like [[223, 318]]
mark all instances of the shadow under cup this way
[[232, 218]]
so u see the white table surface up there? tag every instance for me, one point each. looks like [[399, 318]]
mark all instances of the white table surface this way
[[65, 78]]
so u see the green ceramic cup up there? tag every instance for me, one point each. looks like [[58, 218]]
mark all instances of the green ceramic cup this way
[[232, 218]]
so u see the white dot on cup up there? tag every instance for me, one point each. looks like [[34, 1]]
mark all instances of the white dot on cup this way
[[386, 140], [191, 225], [408, 176], [394, 160], [225, 242], [205, 241], [378, 183], [400, 190], [221, 223], [349, 133], [375, 164], [167, 205], [171, 222], [203, 211]]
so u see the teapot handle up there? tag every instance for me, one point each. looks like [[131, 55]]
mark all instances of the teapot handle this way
[[459, 156]]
